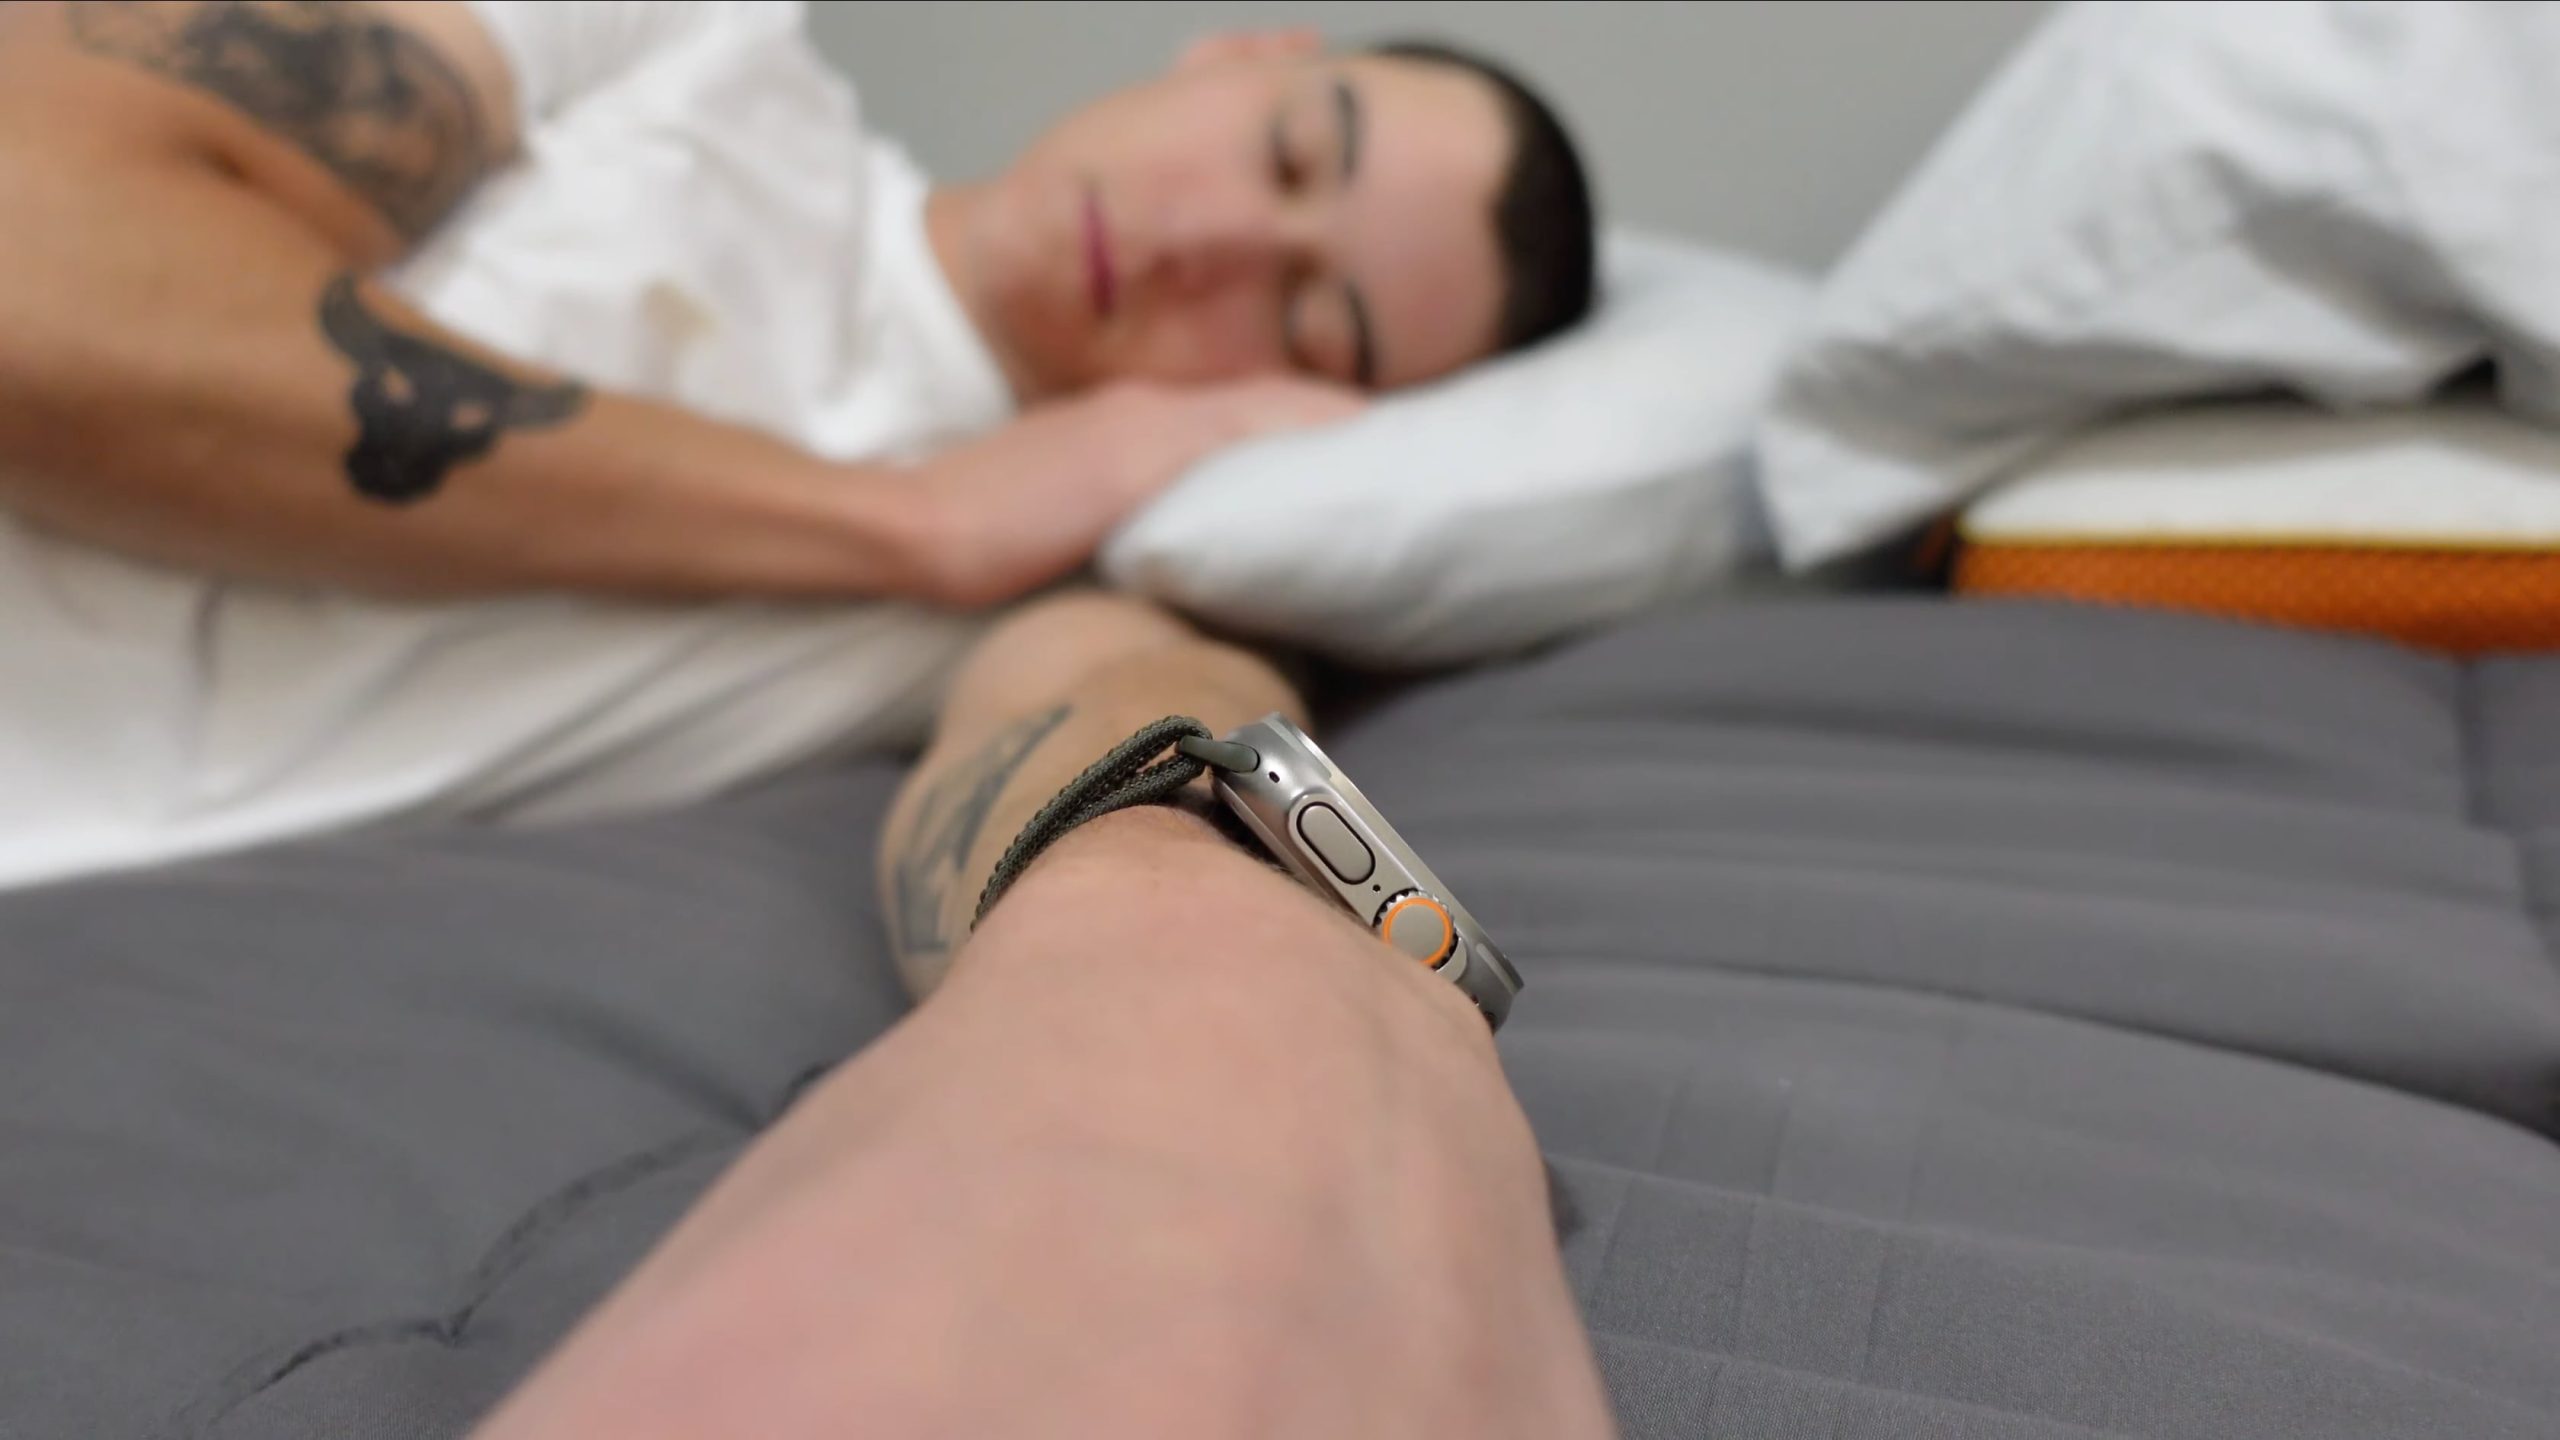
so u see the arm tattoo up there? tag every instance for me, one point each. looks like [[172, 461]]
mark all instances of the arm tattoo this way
[[372, 102], [422, 407], [948, 818]]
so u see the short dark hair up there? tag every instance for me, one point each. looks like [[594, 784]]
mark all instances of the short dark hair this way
[[1543, 219]]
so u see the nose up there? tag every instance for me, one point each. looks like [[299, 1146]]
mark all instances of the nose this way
[[1209, 238]]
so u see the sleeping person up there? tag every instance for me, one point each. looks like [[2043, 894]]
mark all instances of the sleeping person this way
[[522, 411]]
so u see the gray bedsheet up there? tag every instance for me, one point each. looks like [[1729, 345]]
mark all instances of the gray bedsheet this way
[[2011, 1022]]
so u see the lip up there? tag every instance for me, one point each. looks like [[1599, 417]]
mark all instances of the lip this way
[[1101, 282]]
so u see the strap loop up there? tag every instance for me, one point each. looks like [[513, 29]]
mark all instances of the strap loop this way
[[1117, 781]]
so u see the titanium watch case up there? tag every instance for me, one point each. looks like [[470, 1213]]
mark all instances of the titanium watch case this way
[[1329, 835]]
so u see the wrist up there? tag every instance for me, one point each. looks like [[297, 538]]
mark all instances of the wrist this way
[[949, 545], [1159, 897], [885, 525]]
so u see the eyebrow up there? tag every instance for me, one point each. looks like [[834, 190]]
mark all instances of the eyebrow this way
[[1346, 107], [1364, 346]]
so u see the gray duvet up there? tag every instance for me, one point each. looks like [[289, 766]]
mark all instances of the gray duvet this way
[[1999, 1022]]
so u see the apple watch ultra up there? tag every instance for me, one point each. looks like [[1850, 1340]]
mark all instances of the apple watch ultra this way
[[1295, 803]]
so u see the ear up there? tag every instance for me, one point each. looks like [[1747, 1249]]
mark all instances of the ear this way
[[1234, 46]]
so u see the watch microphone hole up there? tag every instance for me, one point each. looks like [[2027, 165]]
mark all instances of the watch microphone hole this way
[[1275, 777]]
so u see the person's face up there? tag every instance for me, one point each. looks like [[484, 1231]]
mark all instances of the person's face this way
[[1261, 208]]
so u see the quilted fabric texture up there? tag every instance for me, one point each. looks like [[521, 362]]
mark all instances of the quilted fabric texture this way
[[1973, 1021], [2003, 1020], [333, 1141]]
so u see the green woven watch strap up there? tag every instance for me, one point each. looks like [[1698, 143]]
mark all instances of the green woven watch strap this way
[[1117, 781]]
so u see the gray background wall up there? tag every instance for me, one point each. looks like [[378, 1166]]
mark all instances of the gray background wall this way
[[1776, 128]]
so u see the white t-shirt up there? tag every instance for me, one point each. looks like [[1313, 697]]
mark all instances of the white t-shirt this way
[[697, 217]]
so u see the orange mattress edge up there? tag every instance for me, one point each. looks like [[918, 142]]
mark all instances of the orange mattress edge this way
[[2466, 601]]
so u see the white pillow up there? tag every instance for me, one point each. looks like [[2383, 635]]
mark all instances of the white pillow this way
[[1598, 474], [2351, 202]]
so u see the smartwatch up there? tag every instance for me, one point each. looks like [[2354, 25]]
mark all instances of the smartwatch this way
[[1301, 807], [1290, 798]]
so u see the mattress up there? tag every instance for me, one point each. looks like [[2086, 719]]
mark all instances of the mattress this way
[[1998, 1021]]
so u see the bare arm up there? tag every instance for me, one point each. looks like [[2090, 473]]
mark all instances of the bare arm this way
[[1177, 1151], [192, 369]]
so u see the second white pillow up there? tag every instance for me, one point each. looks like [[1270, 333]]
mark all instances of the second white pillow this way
[[2156, 201]]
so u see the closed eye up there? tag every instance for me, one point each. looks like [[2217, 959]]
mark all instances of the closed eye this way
[[1286, 172], [1330, 341], [1293, 341]]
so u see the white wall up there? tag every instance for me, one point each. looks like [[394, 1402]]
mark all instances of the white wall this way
[[1774, 127]]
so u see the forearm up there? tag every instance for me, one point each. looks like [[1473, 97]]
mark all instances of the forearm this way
[[1118, 1179], [199, 403], [1176, 1151]]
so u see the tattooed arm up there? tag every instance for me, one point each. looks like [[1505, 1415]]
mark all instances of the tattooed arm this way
[[192, 369], [1041, 698], [371, 121]]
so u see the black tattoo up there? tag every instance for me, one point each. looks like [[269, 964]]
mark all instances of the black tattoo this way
[[372, 102], [948, 818], [421, 407]]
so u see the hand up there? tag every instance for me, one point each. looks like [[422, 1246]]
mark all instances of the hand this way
[[1030, 503]]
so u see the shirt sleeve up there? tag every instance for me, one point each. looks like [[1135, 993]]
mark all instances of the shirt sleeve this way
[[559, 51]]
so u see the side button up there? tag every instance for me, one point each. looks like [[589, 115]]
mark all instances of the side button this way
[[1330, 836]]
